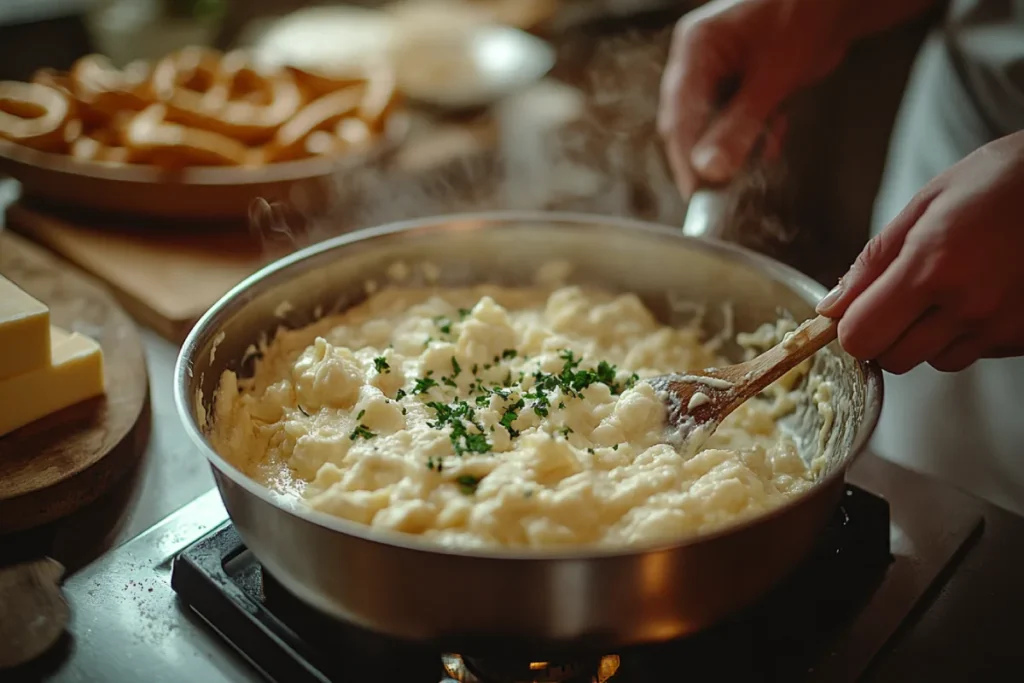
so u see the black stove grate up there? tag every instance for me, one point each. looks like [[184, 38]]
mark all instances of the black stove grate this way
[[225, 585], [782, 638]]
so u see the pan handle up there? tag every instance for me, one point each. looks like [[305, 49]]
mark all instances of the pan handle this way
[[706, 213]]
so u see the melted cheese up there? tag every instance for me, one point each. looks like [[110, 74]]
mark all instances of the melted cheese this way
[[353, 414]]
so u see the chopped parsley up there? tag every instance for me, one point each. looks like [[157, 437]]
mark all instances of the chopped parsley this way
[[458, 416], [362, 431], [455, 417], [572, 381], [423, 385], [606, 373], [443, 324], [467, 484], [380, 364], [509, 416], [464, 312], [540, 403], [473, 443]]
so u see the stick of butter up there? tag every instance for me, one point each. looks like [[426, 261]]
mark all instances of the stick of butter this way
[[74, 374], [24, 331]]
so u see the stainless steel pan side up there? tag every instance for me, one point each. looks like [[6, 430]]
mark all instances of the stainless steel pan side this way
[[705, 213], [478, 601]]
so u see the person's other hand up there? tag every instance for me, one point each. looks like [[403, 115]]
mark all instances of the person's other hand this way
[[944, 282], [772, 47]]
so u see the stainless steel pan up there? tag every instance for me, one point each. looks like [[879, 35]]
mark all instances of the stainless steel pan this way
[[545, 601]]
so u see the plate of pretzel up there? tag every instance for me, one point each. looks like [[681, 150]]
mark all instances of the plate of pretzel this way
[[198, 133]]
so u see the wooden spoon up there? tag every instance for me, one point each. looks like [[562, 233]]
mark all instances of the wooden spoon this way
[[697, 403]]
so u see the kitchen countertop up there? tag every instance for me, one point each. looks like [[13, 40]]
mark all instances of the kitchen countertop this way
[[970, 631]]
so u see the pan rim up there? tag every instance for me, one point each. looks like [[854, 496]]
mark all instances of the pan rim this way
[[805, 286]]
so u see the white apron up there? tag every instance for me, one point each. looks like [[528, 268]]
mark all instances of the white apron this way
[[966, 89]]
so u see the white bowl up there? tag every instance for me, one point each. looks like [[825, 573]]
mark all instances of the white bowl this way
[[467, 65]]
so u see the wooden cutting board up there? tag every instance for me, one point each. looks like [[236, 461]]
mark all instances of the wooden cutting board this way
[[167, 275], [59, 463], [165, 278]]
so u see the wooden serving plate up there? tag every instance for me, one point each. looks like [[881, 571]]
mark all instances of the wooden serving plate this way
[[210, 193], [55, 465]]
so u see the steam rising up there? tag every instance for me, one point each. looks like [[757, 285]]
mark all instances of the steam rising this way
[[592, 148], [268, 224]]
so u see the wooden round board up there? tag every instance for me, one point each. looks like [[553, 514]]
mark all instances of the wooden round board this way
[[63, 461]]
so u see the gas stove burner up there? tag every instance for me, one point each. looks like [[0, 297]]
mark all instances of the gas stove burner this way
[[477, 670], [821, 624]]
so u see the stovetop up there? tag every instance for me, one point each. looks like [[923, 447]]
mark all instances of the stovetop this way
[[128, 624], [785, 637]]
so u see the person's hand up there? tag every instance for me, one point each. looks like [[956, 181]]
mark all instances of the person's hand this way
[[773, 48], [944, 282]]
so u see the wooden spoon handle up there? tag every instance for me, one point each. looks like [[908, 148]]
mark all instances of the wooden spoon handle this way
[[805, 341], [811, 336]]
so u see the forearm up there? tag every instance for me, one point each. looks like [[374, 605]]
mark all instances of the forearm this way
[[865, 17]]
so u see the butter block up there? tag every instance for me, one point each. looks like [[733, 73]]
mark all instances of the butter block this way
[[24, 331], [75, 373]]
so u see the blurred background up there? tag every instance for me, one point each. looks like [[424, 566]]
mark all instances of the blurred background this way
[[578, 135]]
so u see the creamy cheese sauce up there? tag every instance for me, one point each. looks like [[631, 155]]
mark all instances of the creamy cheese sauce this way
[[503, 417], [698, 399]]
